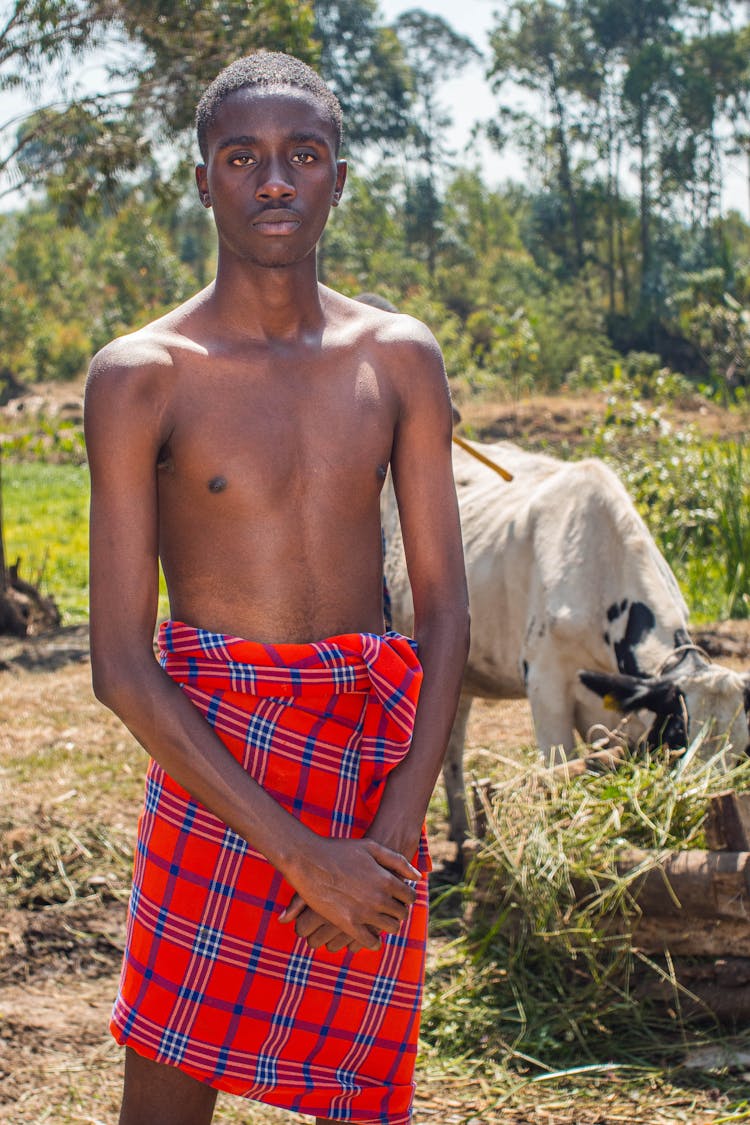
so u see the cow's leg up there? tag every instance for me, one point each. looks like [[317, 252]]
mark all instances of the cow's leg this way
[[552, 701], [453, 773]]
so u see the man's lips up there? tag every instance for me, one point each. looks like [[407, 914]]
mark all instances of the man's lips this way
[[276, 222]]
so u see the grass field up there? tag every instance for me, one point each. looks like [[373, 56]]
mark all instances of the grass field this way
[[46, 521], [45, 509], [687, 473]]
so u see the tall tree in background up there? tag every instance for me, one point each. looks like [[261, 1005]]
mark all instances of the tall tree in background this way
[[363, 61], [644, 38], [542, 46], [435, 53]]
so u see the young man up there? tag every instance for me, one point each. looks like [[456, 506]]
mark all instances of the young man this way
[[277, 924]]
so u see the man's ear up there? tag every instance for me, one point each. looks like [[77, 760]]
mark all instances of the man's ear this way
[[201, 179], [341, 170]]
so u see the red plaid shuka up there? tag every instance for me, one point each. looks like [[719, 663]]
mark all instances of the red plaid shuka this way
[[211, 982]]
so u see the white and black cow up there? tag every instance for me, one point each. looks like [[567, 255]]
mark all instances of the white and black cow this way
[[563, 576]]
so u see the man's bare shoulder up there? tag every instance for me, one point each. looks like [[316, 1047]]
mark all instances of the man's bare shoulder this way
[[398, 338], [150, 353]]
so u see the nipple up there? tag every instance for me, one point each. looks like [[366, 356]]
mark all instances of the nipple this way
[[217, 484]]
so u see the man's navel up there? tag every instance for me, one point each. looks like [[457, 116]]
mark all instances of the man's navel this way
[[217, 484]]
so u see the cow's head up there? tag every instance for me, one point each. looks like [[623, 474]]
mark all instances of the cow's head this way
[[693, 693]]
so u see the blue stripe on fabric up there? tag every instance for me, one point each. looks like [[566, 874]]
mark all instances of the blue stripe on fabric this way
[[173, 1045], [213, 708], [342, 818], [265, 1070], [234, 842]]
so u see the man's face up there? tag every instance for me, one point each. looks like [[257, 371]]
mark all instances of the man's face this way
[[271, 175]]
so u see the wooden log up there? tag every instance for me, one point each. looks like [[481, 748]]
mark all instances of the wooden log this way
[[718, 987], [692, 903], [689, 884], [728, 821], [690, 937]]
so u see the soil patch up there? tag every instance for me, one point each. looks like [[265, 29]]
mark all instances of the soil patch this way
[[549, 421]]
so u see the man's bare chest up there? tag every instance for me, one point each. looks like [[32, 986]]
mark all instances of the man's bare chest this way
[[271, 437]]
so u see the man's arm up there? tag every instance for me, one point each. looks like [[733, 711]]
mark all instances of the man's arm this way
[[422, 470], [357, 885]]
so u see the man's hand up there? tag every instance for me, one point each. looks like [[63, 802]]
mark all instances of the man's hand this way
[[348, 893], [316, 931]]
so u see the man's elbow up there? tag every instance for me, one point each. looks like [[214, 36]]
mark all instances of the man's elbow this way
[[104, 682], [114, 685]]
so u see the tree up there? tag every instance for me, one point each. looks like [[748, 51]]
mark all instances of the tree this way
[[542, 46], [364, 62], [170, 50], [434, 51]]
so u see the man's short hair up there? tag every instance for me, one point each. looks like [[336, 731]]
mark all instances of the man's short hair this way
[[265, 69]]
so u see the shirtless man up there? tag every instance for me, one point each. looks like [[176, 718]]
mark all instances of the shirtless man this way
[[244, 439]]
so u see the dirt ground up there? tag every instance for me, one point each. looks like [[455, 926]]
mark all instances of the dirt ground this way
[[70, 787], [557, 419]]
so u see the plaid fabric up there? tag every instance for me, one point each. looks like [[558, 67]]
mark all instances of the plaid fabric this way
[[211, 982]]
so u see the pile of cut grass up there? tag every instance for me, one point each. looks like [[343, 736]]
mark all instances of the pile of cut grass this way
[[542, 972], [53, 862]]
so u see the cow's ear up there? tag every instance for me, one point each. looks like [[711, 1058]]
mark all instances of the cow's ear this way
[[633, 693]]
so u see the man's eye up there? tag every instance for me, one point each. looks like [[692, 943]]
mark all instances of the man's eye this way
[[303, 158], [243, 159]]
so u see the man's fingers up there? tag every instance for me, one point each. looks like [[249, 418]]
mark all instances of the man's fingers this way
[[393, 861], [341, 941], [367, 938], [293, 910], [403, 892], [325, 933]]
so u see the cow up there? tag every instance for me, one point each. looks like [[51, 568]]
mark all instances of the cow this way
[[573, 606]]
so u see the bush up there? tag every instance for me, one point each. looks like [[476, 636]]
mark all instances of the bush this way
[[60, 351]]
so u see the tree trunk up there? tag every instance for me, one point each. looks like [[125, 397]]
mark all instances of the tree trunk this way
[[3, 567], [611, 192], [645, 205], [565, 175], [623, 261]]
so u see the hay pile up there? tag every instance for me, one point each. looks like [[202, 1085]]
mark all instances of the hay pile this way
[[544, 969]]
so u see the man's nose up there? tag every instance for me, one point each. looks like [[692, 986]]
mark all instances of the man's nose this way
[[275, 186]]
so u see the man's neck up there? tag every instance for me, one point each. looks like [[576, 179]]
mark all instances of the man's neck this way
[[273, 304]]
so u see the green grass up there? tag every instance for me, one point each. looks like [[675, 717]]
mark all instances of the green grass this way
[[45, 512], [46, 525], [693, 492]]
